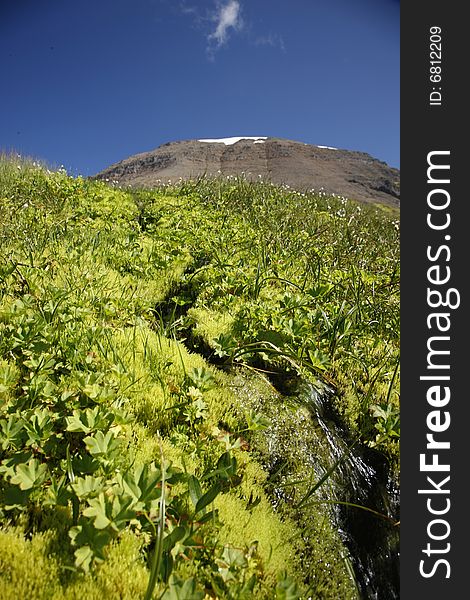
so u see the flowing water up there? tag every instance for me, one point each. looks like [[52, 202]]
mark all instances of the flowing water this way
[[360, 477]]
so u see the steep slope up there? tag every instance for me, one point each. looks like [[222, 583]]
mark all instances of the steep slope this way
[[355, 175], [205, 377]]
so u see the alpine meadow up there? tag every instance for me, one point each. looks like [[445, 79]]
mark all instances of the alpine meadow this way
[[199, 390]]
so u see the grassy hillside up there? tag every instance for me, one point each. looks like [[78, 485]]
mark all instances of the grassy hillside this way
[[141, 335]]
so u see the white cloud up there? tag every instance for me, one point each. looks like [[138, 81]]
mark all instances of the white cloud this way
[[226, 17], [223, 19], [188, 9], [272, 40]]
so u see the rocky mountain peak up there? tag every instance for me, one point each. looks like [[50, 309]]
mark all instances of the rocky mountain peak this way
[[301, 166]]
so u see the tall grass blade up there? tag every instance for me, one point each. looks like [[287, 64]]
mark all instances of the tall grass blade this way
[[158, 551]]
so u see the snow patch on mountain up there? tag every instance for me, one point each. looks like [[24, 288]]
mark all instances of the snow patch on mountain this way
[[233, 140]]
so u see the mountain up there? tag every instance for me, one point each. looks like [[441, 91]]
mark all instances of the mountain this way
[[356, 175]]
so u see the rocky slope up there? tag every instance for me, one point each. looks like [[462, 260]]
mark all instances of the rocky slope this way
[[356, 175]]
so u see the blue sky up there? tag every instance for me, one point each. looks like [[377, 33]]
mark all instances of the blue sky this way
[[86, 83]]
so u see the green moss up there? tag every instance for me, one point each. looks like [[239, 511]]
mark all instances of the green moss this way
[[260, 526], [209, 324], [123, 575], [26, 569]]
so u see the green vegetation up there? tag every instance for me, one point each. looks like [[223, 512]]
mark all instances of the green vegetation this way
[[137, 330]]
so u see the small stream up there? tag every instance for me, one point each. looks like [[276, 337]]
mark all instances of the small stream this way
[[361, 477]]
